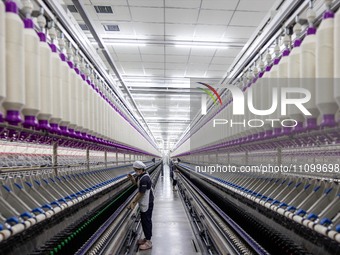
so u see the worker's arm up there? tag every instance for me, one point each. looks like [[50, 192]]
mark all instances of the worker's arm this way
[[132, 179], [135, 200]]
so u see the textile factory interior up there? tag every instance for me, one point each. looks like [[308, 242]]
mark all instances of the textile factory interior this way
[[196, 127]]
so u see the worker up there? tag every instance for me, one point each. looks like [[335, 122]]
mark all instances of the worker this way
[[172, 168], [175, 173], [145, 199]]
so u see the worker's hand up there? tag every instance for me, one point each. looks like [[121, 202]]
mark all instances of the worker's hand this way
[[132, 205], [130, 177]]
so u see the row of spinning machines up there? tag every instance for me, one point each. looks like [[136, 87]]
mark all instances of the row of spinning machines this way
[[308, 58], [30, 198], [306, 209], [48, 85]]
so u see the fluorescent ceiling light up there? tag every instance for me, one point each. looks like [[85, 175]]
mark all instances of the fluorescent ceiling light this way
[[170, 118], [169, 131], [180, 99], [149, 109], [160, 130], [186, 42], [180, 96], [154, 79], [144, 98], [126, 44], [179, 110], [202, 46]]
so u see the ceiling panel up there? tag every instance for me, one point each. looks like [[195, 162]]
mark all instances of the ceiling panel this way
[[108, 2], [175, 73], [134, 72], [156, 72], [222, 61], [151, 65], [171, 50], [200, 59], [177, 58], [180, 30], [177, 66], [202, 51], [250, 19], [197, 66], [255, 5], [183, 4], [212, 33], [215, 74], [230, 53], [153, 58], [129, 57], [239, 32], [219, 4], [218, 67], [121, 49], [112, 51], [215, 17], [119, 13], [152, 49], [132, 65], [181, 16], [195, 73], [149, 29], [153, 3], [145, 14]]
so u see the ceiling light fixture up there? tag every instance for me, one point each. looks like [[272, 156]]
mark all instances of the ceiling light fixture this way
[[173, 43], [167, 118], [202, 46], [149, 110], [168, 128], [144, 98], [168, 131], [122, 44], [180, 99], [179, 110], [126, 44]]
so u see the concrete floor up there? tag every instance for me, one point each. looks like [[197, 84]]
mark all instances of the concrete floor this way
[[172, 232]]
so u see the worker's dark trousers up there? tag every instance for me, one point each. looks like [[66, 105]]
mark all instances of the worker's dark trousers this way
[[147, 222]]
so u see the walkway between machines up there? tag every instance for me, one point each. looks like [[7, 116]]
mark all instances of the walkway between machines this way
[[172, 233]]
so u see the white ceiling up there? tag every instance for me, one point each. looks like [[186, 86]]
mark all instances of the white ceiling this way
[[156, 50]]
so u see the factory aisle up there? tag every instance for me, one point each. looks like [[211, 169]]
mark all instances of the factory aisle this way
[[172, 232]]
